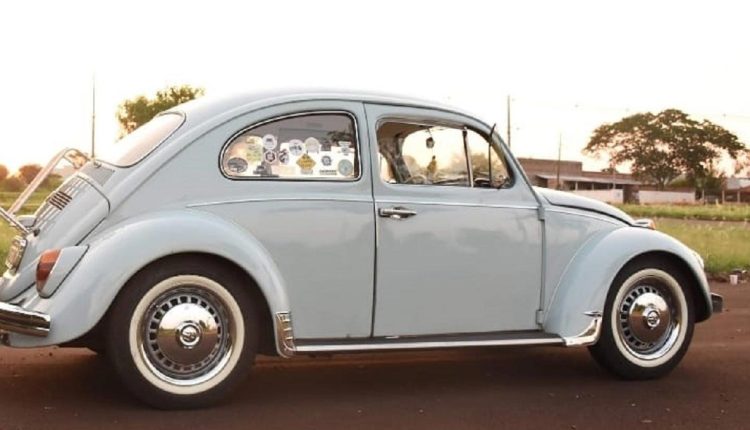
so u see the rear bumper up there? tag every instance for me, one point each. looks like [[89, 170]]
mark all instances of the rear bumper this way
[[717, 302], [15, 319]]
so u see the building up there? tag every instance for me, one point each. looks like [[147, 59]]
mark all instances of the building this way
[[736, 190], [607, 187]]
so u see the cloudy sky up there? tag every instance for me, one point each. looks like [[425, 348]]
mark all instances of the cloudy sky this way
[[568, 66]]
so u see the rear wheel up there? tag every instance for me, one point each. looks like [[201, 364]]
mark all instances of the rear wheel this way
[[648, 321], [182, 334]]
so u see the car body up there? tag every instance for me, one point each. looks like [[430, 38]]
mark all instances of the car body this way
[[310, 221]]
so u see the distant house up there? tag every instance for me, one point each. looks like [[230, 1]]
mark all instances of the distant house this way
[[607, 187], [736, 190]]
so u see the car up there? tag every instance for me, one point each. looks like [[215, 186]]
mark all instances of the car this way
[[314, 222]]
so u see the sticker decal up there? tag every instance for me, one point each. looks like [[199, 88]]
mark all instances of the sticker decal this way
[[328, 172], [306, 163], [296, 147], [312, 145], [345, 167], [261, 170], [253, 149], [236, 165], [345, 146], [270, 157], [326, 160], [269, 142], [284, 156]]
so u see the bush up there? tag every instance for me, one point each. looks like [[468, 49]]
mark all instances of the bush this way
[[13, 184]]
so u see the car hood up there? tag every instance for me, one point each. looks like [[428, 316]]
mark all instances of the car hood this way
[[570, 200]]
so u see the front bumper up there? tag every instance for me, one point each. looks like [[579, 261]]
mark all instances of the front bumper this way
[[717, 302], [16, 319]]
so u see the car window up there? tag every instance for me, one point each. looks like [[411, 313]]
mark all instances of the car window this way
[[308, 146], [420, 154], [140, 143]]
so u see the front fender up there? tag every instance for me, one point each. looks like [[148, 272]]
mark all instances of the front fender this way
[[116, 254], [585, 283]]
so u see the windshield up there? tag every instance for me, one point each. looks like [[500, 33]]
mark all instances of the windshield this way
[[137, 145]]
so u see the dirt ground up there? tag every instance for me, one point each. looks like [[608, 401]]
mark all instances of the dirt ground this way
[[544, 387]]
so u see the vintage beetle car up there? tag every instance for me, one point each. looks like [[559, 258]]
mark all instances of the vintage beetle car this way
[[306, 222]]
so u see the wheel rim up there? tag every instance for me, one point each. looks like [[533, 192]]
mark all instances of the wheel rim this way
[[649, 318], [186, 334]]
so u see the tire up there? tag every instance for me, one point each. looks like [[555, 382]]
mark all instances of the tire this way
[[649, 319], [183, 333]]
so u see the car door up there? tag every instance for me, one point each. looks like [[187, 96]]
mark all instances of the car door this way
[[459, 246]]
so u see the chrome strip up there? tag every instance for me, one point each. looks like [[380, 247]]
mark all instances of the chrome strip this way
[[16, 319], [590, 335], [284, 334], [279, 199], [426, 345], [459, 204]]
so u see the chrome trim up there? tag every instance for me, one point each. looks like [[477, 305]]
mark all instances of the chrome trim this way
[[451, 203], [426, 345], [282, 117], [284, 335], [279, 199], [590, 335], [16, 319]]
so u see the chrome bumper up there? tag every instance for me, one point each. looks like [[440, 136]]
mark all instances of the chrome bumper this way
[[717, 302], [16, 319]]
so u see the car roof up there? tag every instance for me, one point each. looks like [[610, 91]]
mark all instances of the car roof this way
[[214, 105]]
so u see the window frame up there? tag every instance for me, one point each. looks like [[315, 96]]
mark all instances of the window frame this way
[[467, 151], [282, 117]]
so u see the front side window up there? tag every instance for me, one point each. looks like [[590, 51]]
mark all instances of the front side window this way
[[316, 146], [420, 154]]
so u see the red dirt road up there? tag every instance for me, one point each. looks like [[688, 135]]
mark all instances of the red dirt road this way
[[545, 387]]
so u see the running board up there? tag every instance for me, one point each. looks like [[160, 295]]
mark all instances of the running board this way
[[303, 346]]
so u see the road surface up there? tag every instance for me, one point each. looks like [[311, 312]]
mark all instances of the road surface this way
[[543, 387]]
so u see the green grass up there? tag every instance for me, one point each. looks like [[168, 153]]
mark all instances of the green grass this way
[[724, 246], [700, 212], [6, 234]]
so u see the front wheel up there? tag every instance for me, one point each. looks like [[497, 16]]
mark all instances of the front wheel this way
[[182, 334], [648, 321]]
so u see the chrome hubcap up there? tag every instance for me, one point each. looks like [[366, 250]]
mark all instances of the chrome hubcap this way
[[648, 323], [186, 333]]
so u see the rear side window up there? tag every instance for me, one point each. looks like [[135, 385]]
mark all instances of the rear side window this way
[[314, 146], [137, 145]]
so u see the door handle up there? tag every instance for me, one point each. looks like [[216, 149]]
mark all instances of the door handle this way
[[397, 212]]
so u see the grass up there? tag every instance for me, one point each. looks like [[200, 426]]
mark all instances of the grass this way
[[724, 246], [699, 212]]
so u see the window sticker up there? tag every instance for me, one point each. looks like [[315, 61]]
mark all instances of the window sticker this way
[[296, 147], [345, 167], [345, 147], [253, 149], [284, 156], [306, 164], [269, 142], [312, 145], [270, 157], [326, 160]]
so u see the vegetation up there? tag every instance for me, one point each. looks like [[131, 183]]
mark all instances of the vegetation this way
[[660, 148], [135, 112], [694, 212], [724, 246]]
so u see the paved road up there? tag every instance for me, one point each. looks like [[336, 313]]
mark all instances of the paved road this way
[[503, 388]]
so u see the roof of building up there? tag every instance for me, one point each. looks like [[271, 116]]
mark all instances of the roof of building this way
[[568, 178]]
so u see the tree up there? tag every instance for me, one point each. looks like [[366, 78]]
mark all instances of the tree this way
[[133, 113], [3, 172], [13, 184], [28, 172], [661, 147]]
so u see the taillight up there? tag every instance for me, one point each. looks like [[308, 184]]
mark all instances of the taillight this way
[[43, 269]]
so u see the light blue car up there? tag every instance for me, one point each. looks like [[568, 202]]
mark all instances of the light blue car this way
[[307, 222]]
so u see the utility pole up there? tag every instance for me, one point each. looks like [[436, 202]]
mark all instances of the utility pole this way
[[507, 103], [559, 160], [93, 116]]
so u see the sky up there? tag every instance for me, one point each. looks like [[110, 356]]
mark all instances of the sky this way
[[567, 66]]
